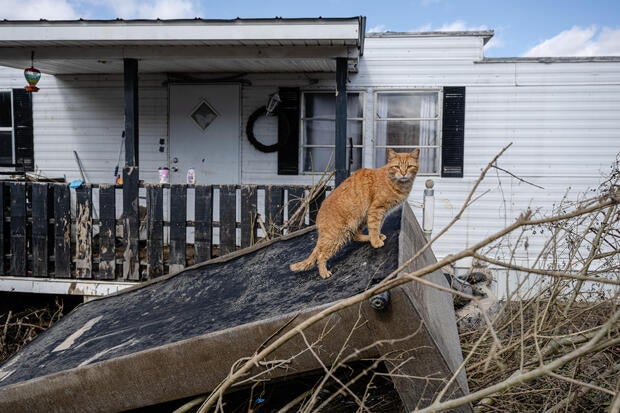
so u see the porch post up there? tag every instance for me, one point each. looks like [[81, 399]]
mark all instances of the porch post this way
[[131, 111], [131, 181], [341, 120]]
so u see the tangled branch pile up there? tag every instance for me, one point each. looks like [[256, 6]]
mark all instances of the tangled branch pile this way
[[550, 348], [19, 329], [545, 320]]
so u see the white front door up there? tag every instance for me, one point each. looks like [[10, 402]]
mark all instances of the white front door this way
[[204, 133]]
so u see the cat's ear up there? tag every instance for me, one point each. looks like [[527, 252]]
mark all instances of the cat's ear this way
[[391, 154], [415, 153]]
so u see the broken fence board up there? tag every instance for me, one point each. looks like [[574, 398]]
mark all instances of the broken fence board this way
[[178, 224], [40, 223], [3, 267], [62, 231], [131, 223], [83, 233], [203, 221], [296, 197], [315, 204], [274, 202], [107, 232], [18, 230], [249, 211], [228, 218], [155, 231]]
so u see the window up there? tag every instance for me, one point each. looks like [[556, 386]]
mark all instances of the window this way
[[6, 128], [319, 128], [16, 139], [408, 120]]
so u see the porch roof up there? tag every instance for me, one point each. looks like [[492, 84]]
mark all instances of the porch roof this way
[[186, 45]]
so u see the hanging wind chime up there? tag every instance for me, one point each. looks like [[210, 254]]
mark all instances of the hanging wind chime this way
[[32, 76]]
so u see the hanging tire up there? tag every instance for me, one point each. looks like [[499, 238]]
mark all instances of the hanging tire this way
[[249, 131]]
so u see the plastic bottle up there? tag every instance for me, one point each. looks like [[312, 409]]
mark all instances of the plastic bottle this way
[[191, 176]]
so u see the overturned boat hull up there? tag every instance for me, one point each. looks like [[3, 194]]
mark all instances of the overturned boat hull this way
[[180, 336]]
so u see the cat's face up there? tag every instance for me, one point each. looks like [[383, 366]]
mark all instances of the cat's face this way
[[403, 167]]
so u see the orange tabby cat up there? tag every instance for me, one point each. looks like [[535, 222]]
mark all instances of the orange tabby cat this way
[[363, 198]]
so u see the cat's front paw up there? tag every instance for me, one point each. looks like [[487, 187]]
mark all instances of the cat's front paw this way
[[377, 242], [325, 274]]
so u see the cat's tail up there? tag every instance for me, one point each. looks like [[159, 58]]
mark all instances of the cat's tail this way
[[305, 264]]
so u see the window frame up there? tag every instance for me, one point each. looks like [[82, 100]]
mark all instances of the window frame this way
[[11, 128], [438, 124], [302, 129]]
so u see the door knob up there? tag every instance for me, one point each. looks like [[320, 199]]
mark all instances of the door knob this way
[[175, 160], [175, 169]]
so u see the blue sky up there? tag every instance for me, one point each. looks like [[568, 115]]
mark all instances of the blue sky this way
[[522, 28]]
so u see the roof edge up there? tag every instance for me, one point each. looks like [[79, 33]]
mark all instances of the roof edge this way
[[485, 34], [550, 59], [195, 20]]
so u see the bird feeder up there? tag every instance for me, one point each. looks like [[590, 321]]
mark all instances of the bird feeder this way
[[32, 76]]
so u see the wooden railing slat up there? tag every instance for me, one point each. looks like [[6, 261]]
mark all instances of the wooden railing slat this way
[[62, 231], [155, 231], [83, 233], [107, 232], [295, 198], [228, 218], [40, 224], [274, 203], [249, 213], [131, 224], [18, 230], [178, 225], [203, 231], [314, 206], [44, 231], [3, 242]]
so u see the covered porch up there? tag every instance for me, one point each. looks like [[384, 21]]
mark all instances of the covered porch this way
[[101, 237]]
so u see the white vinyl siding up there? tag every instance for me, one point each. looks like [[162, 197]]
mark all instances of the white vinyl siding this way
[[86, 114], [561, 118]]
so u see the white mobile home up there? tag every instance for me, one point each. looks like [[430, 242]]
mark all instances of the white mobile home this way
[[196, 88]]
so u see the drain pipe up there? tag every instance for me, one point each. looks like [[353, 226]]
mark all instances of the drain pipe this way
[[428, 211]]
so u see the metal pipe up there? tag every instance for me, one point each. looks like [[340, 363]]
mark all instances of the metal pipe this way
[[428, 213]]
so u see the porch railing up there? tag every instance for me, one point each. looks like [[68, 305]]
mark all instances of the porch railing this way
[[107, 232]]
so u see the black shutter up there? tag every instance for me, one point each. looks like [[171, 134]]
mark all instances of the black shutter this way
[[288, 131], [453, 132], [24, 142]]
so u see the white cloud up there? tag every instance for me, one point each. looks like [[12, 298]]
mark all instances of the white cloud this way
[[38, 9], [377, 29], [579, 41], [455, 26], [74, 9], [149, 9], [459, 26]]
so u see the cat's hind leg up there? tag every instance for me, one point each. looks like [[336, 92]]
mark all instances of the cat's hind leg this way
[[327, 249], [305, 264]]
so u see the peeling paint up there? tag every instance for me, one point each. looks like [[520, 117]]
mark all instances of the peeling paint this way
[[109, 350], [83, 242], [69, 341], [5, 371]]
